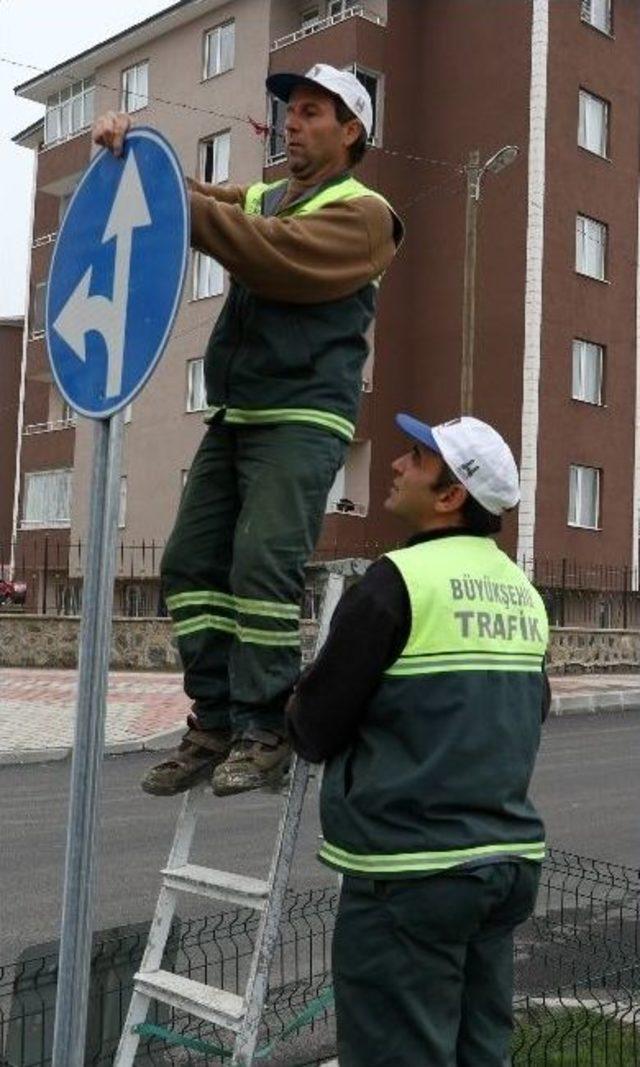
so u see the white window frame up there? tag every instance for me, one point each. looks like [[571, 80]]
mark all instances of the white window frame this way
[[208, 276], [39, 309], [52, 514], [196, 389], [275, 143], [122, 503], [135, 87], [375, 137], [338, 8], [599, 14], [69, 111], [593, 123], [587, 355], [220, 144], [214, 55], [349, 494], [579, 477], [592, 239]]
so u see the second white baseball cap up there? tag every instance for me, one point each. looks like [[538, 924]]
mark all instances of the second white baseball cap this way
[[341, 83], [476, 453]]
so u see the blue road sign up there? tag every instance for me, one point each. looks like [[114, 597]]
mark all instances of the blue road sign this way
[[117, 273]]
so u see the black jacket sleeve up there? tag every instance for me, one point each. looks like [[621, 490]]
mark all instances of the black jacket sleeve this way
[[370, 626]]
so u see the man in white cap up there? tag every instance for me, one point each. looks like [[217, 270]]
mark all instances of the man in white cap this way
[[283, 381], [427, 702]]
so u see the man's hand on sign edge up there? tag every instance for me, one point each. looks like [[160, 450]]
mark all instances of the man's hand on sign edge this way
[[110, 130]]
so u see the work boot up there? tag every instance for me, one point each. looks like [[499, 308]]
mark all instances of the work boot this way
[[199, 752], [259, 758]]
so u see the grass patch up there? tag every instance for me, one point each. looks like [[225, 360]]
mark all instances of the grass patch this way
[[575, 1037]]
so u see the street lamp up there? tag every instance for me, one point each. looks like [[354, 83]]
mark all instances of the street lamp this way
[[475, 171]]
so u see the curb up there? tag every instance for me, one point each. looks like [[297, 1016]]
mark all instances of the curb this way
[[569, 704], [154, 743], [590, 703]]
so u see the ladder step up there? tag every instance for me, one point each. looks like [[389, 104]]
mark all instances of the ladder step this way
[[205, 1001], [221, 885]]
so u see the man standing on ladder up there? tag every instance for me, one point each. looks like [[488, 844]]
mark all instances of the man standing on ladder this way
[[283, 379], [427, 701]]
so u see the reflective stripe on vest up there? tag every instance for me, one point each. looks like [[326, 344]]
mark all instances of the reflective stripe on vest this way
[[427, 862]]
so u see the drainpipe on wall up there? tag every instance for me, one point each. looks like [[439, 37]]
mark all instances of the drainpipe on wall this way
[[23, 374], [635, 581], [533, 284]]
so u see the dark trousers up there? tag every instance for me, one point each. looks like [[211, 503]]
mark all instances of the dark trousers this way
[[423, 969], [233, 568]]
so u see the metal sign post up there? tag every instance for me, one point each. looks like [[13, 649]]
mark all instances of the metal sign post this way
[[88, 748], [115, 283]]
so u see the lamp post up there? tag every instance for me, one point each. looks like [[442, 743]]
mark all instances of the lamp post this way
[[475, 172]]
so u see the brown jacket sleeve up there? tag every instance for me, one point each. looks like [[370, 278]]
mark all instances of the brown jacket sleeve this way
[[224, 194], [301, 259]]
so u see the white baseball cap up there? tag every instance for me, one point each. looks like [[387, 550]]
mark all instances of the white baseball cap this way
[[476, 453], [341, 83]]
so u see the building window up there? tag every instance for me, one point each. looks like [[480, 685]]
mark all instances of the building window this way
[[372, 83], [63, 204], [584, 497], [208, 276], [276, 147], [219, 49], [349, 494], [122, 503], [598, 14], [341, 7], [135, 87], [69, 111], [588, 369], [310, 19], [591, 247], [213, 162], [38, 308], [47, 498], [196, 391], [367, 369], [593, 124]]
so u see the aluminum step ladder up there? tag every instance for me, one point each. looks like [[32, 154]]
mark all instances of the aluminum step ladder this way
[[240, 1014]]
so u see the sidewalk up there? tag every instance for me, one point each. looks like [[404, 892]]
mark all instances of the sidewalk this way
[[147, 711]]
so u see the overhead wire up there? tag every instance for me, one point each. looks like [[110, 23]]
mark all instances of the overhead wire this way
[[265, 128]]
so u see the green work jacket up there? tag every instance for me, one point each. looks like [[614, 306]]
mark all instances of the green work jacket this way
[[272, 362], [438, 775]]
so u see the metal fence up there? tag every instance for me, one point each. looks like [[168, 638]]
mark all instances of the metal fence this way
[[577, 980], [598, 596]]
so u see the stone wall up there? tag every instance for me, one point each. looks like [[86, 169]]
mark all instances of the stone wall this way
[[147, 645]]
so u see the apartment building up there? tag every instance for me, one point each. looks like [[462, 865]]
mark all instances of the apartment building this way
[[556, 350]]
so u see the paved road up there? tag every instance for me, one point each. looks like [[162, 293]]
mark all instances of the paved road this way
[[587, 785]]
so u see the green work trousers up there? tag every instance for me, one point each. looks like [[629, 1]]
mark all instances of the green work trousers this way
[[233, 568], [423, 968]]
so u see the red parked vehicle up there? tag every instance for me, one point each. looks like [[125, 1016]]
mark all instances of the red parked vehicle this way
[[12, 593]]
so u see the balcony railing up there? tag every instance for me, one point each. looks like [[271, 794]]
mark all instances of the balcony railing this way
[[45, 239], [49, 427], [358, 11]]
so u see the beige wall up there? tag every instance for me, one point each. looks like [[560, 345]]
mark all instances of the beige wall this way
[[162, 436]]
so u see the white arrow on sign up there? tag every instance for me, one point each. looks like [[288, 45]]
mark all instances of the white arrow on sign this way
[[83, 313]]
